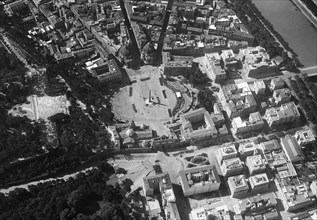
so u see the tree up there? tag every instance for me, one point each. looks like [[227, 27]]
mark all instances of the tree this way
[[206, 99]]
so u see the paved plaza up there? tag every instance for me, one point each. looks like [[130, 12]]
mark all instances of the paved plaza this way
[[130, 102]]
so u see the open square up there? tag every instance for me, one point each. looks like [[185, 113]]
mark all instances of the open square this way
[[145, 101]]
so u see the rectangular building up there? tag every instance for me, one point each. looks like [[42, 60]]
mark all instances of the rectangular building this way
[[297, 196], [276, 83], [292, 149], [231, 167], [237, 100], [257, 64], [259, 183], [255, 164], [282, 96], [197, 126], [226, 152], [238, 186], [199, 180], [304, 137], [229, 59], [258, 204], [259, 87], [107, 71], [286, 113], [215, 71], [176, 65], [269, 146], [152, 184], [255, 123], [247, 148]]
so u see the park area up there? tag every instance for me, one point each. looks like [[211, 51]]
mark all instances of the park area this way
[[132, 101], [41, 107]]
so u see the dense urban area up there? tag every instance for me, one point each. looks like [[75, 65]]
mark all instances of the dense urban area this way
[[154, 109]]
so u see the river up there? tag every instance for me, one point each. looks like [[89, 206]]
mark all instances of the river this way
[[294, 27]]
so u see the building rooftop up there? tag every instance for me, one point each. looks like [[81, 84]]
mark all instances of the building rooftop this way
[[286, 110], [254, 118], [237, 183], [237, 97], [232, 164], [297, 194], [153, 182], [305, 136], [197, 123], [286, 171], [277, 83], [282, 93], [271, 145], [213, 61], [246, 147], [176, 61], [278, 158], [199, 176], [227, 54], [106, 69], [255, 57], [258, 202], [291, 148], [259, 84], [258, 180], [227, 151], [255, 162]]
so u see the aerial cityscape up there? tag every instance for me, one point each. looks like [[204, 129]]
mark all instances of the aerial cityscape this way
[[158, 109]]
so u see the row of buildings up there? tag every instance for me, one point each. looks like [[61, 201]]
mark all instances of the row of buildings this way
[[254, 63], [248, 171]]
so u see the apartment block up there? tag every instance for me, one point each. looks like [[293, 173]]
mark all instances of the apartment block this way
[[286, 113], [313, 187], [176, 65], [259, 183], [152, 184], [276, 83], [269, 146], [281, 96], [257, 64], [247, 148], [254, 123], [197, 125], [237, 100], [259, 87], [215, 71], [226, 152], [304, 137], [199, 180], [255, 164], [276, 159], [258, 204], [231, 167], [297, 196], [238, 186], [229, 59], [107, 71]]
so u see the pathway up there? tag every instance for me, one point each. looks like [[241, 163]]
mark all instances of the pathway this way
[[25, 186]]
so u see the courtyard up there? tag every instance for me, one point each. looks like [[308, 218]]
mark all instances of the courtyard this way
[[131, 102]]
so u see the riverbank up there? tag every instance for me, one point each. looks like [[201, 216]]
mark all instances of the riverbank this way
[[308, 14], [293, 26]]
